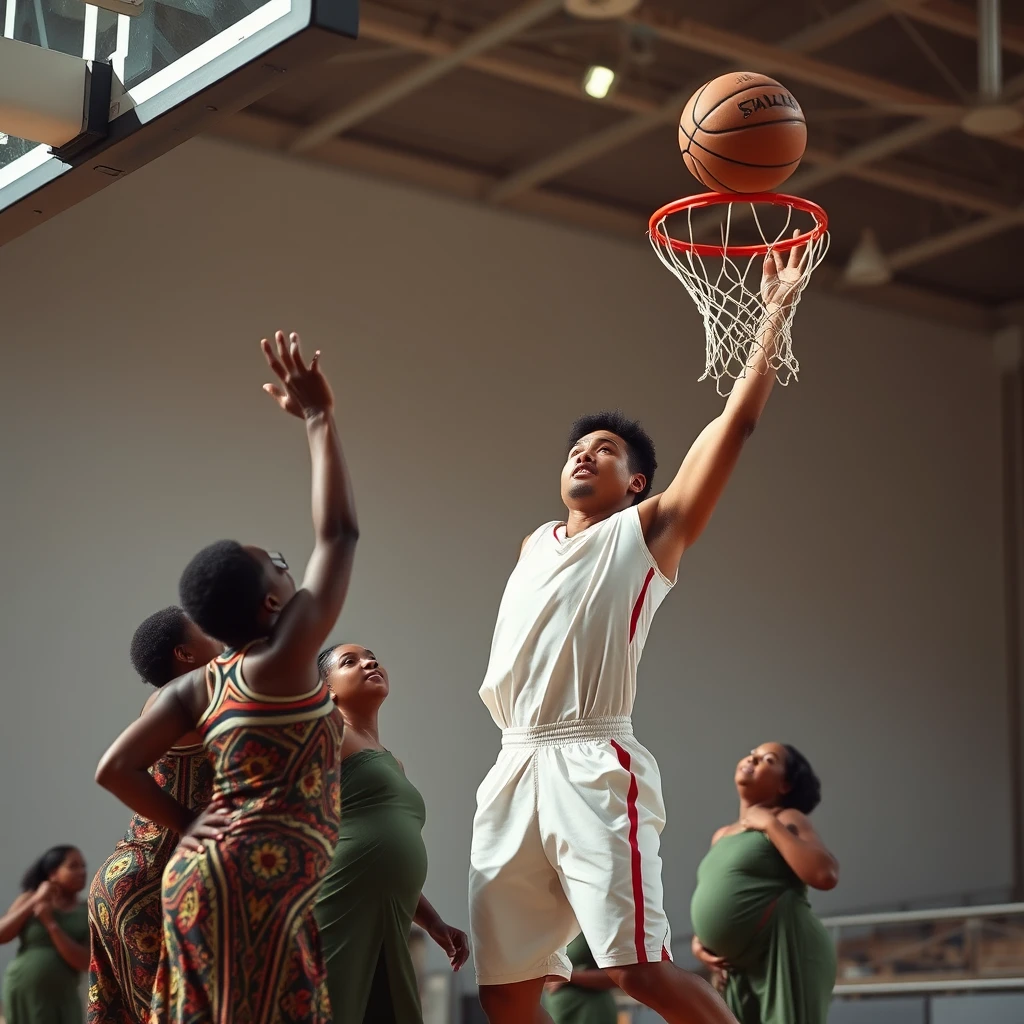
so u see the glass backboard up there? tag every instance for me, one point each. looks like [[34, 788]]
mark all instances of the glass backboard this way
[[196, 59]]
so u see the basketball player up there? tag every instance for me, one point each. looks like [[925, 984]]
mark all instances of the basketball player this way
[[568, 820]]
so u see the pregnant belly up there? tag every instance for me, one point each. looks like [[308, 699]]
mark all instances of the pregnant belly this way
[[40, 968], [386, 855], [726, 920]]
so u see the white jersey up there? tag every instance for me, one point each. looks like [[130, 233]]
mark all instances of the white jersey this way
[[572, 625]]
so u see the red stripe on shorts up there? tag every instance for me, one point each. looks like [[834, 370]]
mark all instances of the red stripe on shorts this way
[[634, 618], [634, 852]]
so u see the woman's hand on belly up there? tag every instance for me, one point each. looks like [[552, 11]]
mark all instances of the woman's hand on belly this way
[[706, 957]]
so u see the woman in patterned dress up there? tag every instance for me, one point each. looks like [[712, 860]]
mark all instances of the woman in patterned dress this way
[[241, 946], [125, 921]]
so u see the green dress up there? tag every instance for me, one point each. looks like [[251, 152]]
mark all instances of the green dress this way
[[574, 1005], [40, 987], [750, 908], [368, 899]]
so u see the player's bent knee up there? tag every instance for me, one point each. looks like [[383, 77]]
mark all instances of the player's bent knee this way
[[644, 982], [636, 980]]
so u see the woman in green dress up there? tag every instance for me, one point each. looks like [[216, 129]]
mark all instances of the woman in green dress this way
[[373, 894], [586, 997], [754, 928], [41, 985]]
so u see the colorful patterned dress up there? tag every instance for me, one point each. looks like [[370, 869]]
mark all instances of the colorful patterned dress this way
[[240, 943], [125, 919]]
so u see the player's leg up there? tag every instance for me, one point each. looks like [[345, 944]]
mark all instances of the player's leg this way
[[520, 919], [675, 994], [518, 1003], [602, 811]]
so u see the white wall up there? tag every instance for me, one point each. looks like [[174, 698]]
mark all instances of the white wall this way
[[846, 598]]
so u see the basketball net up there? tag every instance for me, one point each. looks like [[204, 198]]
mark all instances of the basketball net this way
[[724, 280]]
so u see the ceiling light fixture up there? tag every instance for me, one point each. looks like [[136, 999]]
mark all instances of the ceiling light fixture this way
[[867, 266], [601, 10], [598, 81]]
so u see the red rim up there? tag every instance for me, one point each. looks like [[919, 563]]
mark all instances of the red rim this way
[[698, 202]]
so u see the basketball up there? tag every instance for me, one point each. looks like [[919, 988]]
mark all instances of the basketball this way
[[742, 132]]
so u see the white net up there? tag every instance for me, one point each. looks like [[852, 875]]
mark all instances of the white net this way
[[727, 290]]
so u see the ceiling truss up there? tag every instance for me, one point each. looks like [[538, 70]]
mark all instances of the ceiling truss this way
[[524, 187]]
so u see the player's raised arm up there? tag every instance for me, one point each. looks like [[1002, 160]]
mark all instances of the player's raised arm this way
[[674, 519], [309, 617]]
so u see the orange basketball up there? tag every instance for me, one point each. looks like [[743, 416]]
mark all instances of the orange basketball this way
[[742, 132]]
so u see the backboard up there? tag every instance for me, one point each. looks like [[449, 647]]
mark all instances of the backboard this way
[[177, 66]]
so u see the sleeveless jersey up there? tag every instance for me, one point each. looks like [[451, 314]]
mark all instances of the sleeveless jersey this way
[[572, 625]]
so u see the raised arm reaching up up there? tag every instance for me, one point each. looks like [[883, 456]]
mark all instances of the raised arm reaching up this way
[[674, 519], [287, 662], [245, 597]]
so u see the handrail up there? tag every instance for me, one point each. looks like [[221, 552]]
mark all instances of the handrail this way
[[916, 916], [890, 988]]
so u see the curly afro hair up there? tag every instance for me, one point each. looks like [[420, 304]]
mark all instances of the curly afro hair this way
[[152, 647], [804, 786], [222, 591], [638, 443]]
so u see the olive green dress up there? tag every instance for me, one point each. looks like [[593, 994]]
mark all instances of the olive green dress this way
[[574, 1005], [750, 908], [369, 896], [40, 987]]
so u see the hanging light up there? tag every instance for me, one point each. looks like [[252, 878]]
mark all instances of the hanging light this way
[[600, 10], [598, 81], [867, 265]]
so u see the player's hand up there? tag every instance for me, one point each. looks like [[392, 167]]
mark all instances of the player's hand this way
[[552, 985], [454, 942], [714, 963], [781, 276], [208, 824], [304, 391], [758, 819]]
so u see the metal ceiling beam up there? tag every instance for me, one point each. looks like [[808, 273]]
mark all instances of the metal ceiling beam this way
[[940, 245], [962, 21], [824, 33], [270, 133], [860, 156], [908, 181], [511, 71], [494, 34], [905, 179], [767, 58]]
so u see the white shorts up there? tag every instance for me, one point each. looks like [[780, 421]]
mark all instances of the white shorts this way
[[565, 839]]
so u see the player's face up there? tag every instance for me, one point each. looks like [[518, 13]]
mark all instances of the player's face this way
[[761, 775], [356, 677], [596, 474], [70, 876]]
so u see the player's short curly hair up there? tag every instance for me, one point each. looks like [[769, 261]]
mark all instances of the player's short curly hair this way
[[153, 643], [222, 591], [638, 442], [804, 786]]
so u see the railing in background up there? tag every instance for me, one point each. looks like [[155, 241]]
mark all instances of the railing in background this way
[[925, 955], [930, 947]]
